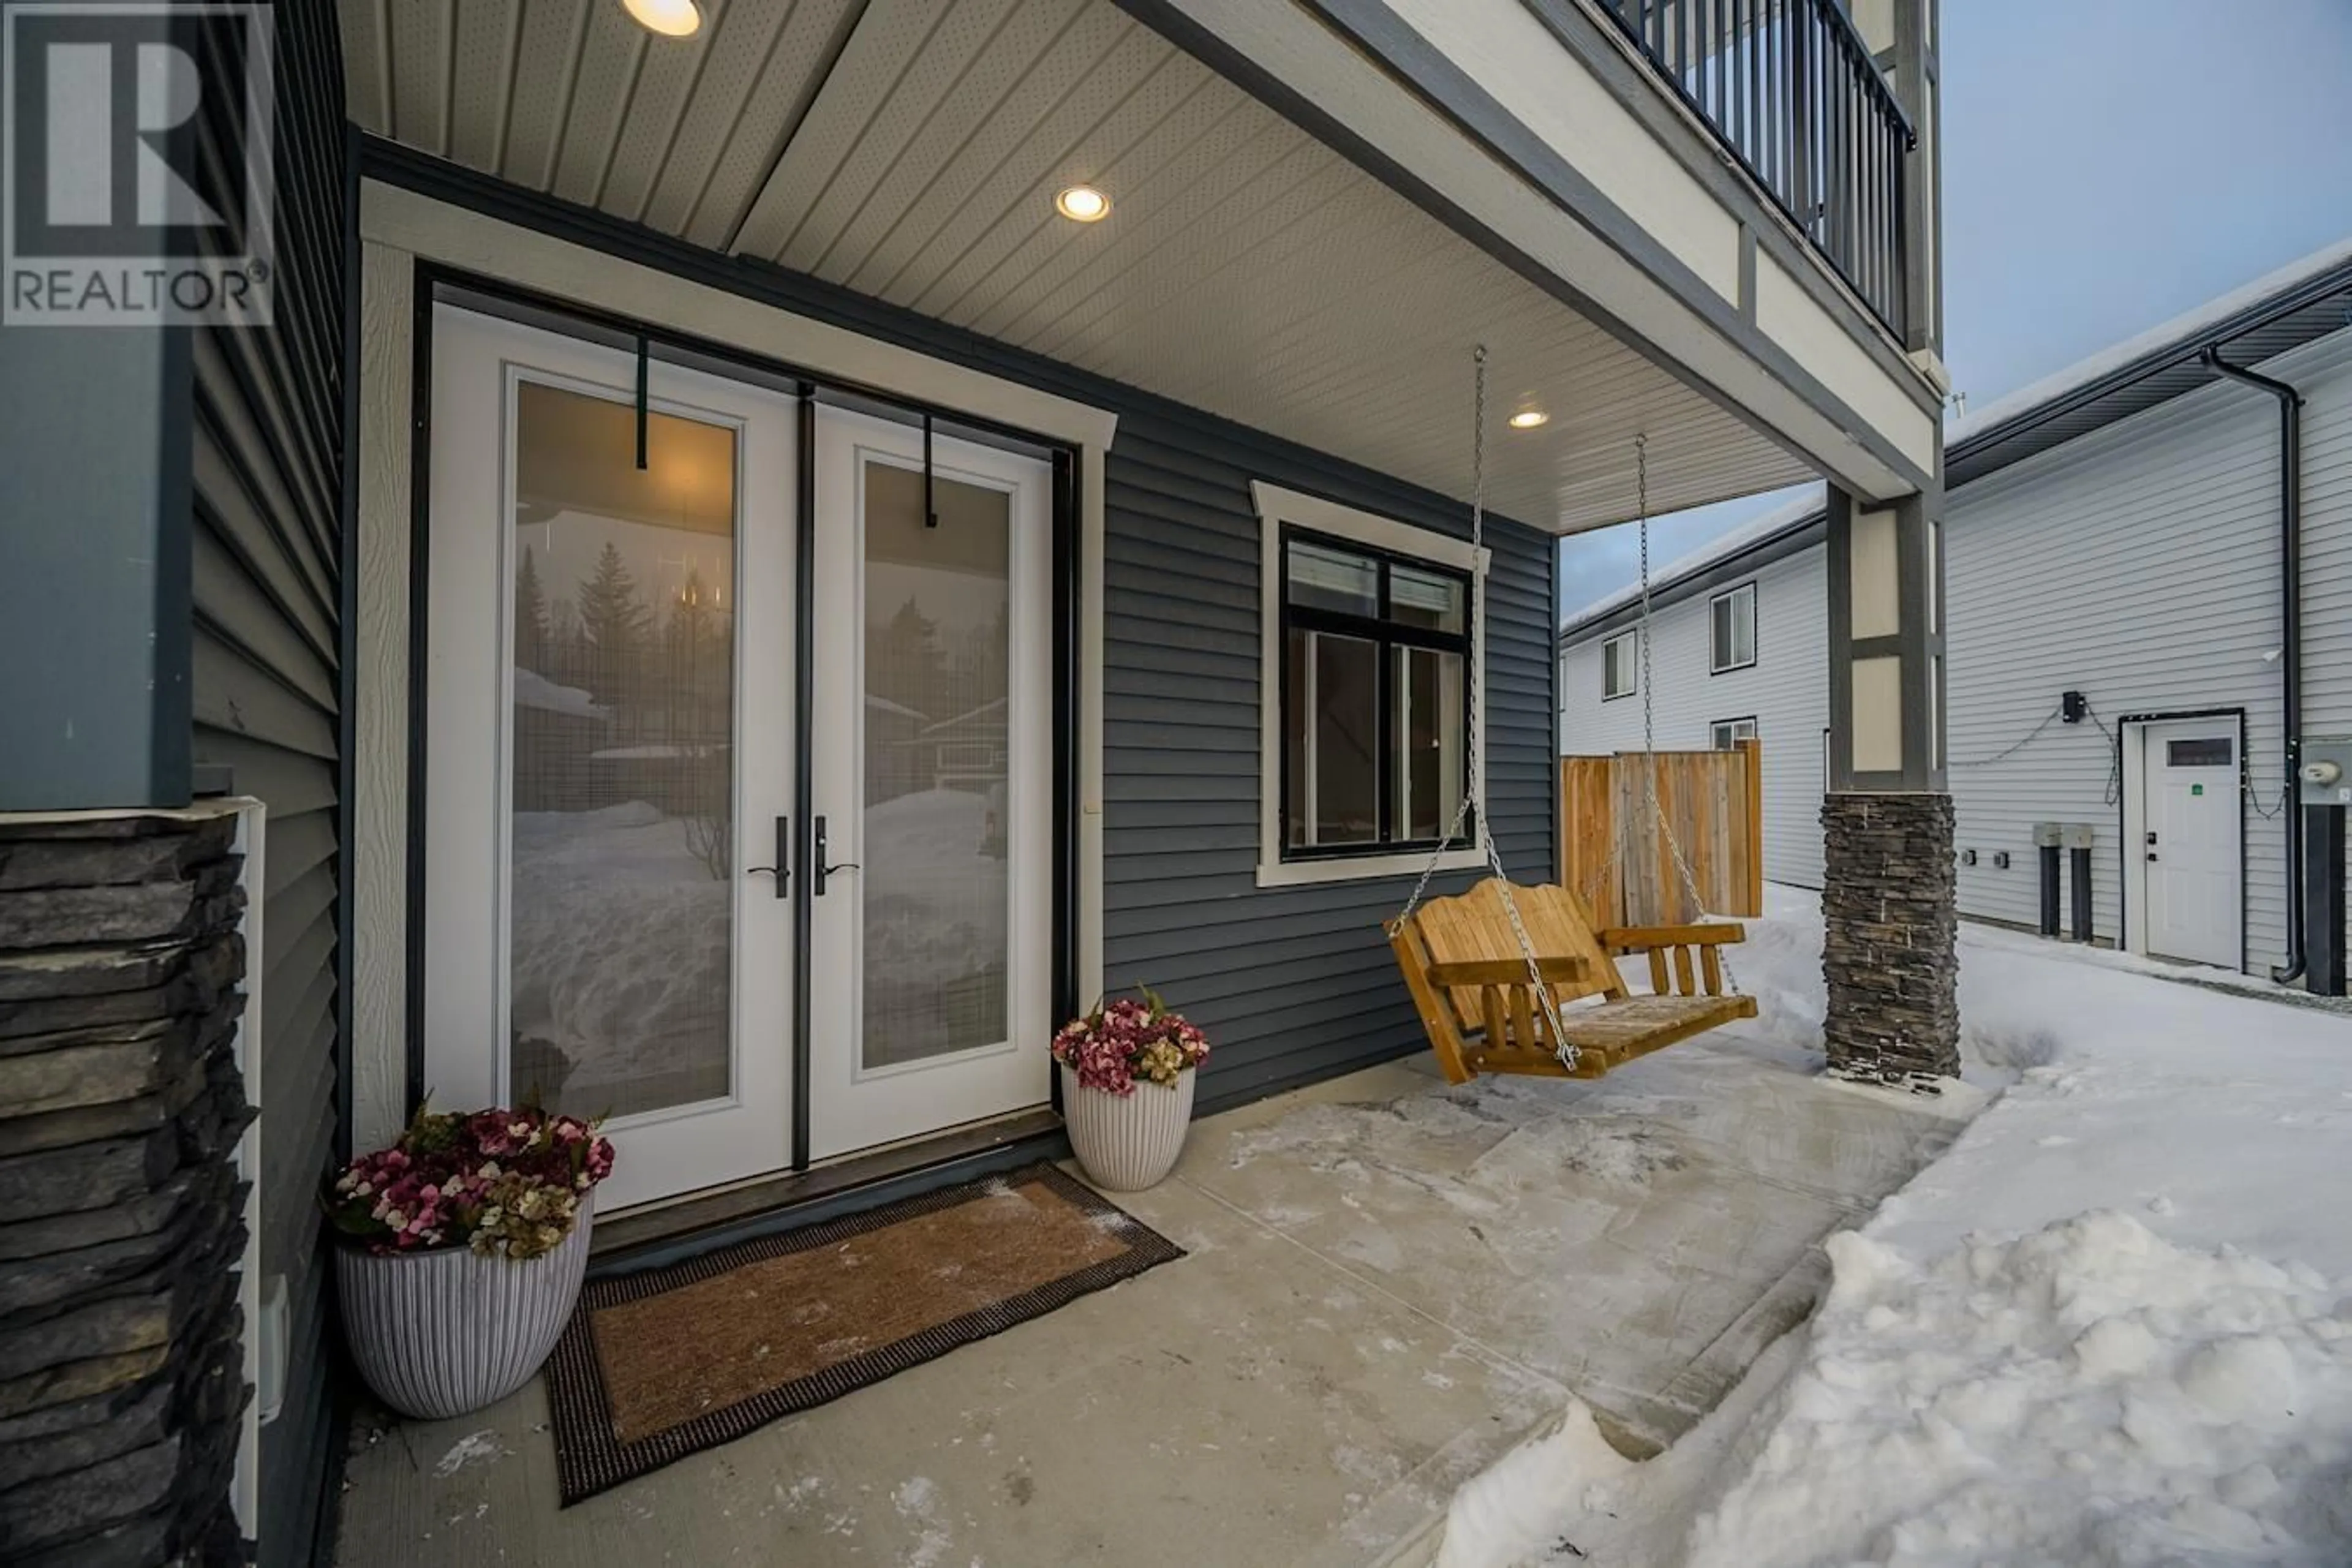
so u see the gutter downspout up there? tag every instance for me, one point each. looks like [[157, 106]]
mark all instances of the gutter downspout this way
[[2290, 404]]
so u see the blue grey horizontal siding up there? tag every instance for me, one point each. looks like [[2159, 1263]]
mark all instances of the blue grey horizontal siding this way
[[1292, 983], [266, 570]]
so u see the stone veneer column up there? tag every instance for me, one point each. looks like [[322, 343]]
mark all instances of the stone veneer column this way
[[121, 1216], [1888, 882], [1890, 935]]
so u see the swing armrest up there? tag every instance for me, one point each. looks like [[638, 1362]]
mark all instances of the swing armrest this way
[[1561, 970], [1642, 939]]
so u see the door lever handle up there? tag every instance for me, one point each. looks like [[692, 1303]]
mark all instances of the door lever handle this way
[[820, 868], [783, 869]]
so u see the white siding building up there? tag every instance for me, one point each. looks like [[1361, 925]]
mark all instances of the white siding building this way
[[2115, 532]]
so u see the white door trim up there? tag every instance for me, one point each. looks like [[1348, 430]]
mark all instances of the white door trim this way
[[2133, 744]]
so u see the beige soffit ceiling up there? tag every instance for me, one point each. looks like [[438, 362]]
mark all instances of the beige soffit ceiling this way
[[910, 149]]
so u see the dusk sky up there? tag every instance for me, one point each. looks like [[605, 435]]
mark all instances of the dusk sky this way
[[2107, 164]]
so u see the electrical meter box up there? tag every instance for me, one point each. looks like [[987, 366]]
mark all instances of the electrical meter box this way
[[2325, 778]]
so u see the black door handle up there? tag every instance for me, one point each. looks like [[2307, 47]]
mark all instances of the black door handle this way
[[818, 869], [783, 869]]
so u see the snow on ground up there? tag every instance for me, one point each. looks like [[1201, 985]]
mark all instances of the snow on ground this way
[[2113, 1325]]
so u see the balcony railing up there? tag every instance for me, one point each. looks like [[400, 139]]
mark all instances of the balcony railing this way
[[1789, 86]]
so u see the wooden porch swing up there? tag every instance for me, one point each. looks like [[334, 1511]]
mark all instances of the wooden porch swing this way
[[1502, 975], [1485, 1011]]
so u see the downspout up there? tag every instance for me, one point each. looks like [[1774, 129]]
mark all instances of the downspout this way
[[2290, 404]]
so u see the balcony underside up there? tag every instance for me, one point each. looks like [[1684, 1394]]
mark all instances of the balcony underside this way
[[910, 149]]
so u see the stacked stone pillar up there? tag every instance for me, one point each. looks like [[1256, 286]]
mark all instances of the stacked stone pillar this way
[[121, 1215], [1890, 930], [1889, 885]]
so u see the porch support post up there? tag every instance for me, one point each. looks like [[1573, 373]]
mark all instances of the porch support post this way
[[1889, 950]]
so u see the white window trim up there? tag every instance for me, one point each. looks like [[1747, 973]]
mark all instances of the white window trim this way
[[1715, 726], [1276, 505], [1631, 663], [1755, 638]]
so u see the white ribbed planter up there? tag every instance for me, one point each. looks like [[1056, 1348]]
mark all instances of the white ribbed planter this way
[[1127, 1145], [442, 1333]]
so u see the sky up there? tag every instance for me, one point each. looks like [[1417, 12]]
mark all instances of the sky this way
[[2107, 166]]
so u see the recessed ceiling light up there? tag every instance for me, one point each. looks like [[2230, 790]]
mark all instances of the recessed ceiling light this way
[[1529, 418], [1082, 203], [670, 18]]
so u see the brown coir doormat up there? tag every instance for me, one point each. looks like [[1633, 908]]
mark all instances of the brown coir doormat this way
[[657, 1366]]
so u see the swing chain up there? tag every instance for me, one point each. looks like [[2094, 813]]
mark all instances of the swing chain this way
[[1562, 1046], [1649, 709]]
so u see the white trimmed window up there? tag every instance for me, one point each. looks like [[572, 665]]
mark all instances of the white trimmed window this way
[[1371, 628], [1726, 733], [1731, 634], [1619, 658]]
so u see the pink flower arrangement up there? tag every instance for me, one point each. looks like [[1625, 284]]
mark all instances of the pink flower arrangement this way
[[504, 1183], [1114, 1045]]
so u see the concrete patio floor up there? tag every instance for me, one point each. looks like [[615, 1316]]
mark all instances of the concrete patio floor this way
[[1388, 1283]]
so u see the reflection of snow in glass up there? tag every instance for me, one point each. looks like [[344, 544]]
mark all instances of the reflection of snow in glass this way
[[620, 737], [935, 927], [938, 602], [619, 959]]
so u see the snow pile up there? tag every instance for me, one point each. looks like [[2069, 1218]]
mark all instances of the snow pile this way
[[2112, 1325], [2088, 1394], [2008, 1023]]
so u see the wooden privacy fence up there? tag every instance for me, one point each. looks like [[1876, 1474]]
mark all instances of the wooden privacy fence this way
[[1615, 858]]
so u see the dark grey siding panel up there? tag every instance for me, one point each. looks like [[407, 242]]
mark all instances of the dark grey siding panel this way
[[1292, 983], [265, 566]]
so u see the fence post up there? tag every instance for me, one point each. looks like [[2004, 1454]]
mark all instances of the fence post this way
[[1755, 751]]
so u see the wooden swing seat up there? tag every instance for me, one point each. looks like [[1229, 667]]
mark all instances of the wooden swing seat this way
[[1468, 977]]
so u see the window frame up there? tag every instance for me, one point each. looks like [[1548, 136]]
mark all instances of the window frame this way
[[1286, 515], [1631, 663], [1755, 731], [1755, 638]]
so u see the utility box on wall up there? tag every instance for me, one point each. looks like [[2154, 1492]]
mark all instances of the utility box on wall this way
[[2326, 774]]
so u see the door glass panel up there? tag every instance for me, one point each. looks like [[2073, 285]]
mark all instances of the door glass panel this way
[[939, 822], [619, 909], [2203, 752]]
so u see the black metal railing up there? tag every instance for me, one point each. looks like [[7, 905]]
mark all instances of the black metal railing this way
[[1789, 87]]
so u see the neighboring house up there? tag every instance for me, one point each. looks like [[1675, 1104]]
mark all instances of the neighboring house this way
[[2114, 531], [1103, 367]]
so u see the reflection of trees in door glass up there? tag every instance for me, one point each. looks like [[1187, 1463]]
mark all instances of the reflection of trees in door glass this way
[[938, 642], [620, 907]]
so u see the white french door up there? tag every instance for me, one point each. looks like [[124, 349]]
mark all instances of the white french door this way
[[609, 683], [931, 944]]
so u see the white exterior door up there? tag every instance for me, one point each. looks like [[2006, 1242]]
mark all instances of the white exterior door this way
[[609, 747], [930, 948], [2192, 840]]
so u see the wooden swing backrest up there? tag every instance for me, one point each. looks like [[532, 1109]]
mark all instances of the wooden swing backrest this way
[[1475, 926]]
